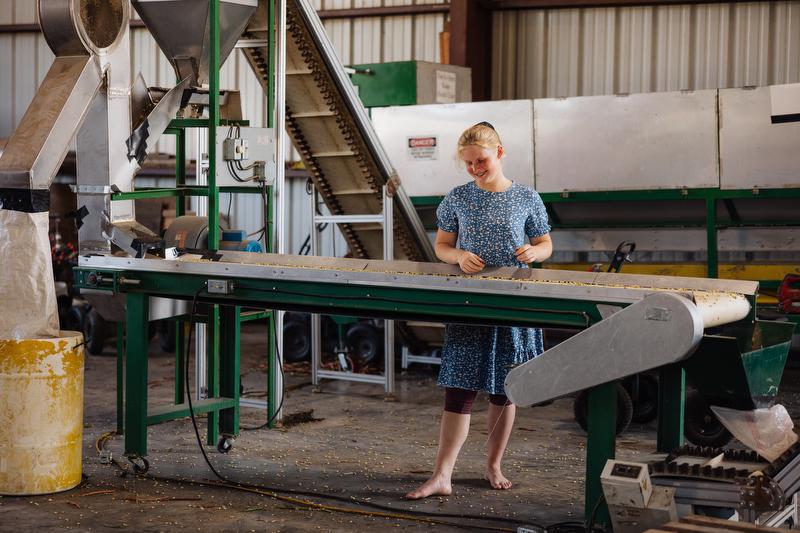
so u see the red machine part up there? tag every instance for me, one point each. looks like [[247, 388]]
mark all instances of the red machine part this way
[[789, 294]]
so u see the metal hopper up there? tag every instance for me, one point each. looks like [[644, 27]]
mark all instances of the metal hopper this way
[[181, 29]]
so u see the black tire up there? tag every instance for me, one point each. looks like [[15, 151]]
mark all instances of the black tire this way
[[94, 332], [645, 404], [364, 342], [700, 426], [74, 318], [166, 335], [296, 341], [580, 408]]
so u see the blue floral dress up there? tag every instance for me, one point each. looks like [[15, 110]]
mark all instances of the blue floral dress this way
[[491, 225]]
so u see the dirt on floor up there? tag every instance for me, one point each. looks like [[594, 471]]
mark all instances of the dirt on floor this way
[[341, 461]]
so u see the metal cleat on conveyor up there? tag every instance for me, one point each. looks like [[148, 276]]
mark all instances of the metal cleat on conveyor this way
[[735, 480]]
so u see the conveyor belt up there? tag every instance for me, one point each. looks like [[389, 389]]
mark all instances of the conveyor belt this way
[[331, 130], [609, 288]]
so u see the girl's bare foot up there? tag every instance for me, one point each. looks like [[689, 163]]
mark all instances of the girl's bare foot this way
[[497, 480], [435, 486]]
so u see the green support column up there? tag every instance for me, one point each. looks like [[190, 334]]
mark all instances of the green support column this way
[[230, 327], [711, 238], [212, 346], [671, 389], [136, 327], [600, 447], [120, 378], [180, 170]]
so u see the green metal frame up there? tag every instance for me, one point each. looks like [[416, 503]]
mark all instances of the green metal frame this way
[[223, 344], [371, 301], [711, 196]]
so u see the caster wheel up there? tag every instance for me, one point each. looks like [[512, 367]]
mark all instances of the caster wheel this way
[[140, 465], [225, 445], [701, 426]]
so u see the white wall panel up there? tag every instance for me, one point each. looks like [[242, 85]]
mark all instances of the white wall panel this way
[[592, 51]]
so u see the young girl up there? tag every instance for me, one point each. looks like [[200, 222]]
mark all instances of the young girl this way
[[491, 221]]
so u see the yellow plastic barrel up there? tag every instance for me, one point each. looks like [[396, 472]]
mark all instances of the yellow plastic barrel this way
[[41, 414]]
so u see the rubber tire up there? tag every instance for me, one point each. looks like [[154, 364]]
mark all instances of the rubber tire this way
[[94, 332], [580, 408], [296, 340], [74, 318], [700, 426], [645, 408], [167, 335], [364, 342]]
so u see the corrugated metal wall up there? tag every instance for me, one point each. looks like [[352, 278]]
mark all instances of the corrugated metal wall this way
[[581, 52]]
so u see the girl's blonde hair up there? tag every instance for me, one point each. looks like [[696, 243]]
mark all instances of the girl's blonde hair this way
[[481, 134]]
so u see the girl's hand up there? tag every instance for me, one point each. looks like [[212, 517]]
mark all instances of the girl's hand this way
[[469, 262], [526, 254]]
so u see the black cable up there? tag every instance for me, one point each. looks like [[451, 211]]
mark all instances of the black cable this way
[[188, 390], [283, 395]]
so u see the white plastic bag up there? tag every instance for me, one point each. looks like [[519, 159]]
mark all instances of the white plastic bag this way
[[28, 308], [766, 431]]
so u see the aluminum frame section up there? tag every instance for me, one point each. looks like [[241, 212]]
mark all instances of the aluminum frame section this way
[[386, 221], [407, 358], [434, 170], [542, 283], [671, 326], [626, 142], [754, 152], [692, 492]]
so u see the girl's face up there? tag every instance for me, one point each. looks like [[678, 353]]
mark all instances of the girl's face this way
[[482, 164]]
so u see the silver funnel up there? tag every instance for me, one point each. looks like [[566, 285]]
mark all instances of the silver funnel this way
[[181, 29]]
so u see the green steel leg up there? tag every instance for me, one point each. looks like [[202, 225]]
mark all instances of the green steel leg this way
[[212, 375], [120, 377], [136, 374], [271, 370], [180, 170], [230, 328], [711, 237], [180, 361], [600, 447], [671, 389]]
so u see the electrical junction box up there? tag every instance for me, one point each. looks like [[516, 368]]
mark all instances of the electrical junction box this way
[[626, 483], [633, 503], [235, 149], [242, 147], [411, 83]]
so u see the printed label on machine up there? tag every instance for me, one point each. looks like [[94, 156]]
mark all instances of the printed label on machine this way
[[423, 147]]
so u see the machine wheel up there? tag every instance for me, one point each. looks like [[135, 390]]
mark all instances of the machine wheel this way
[[624, 409], [645, 403], [296, 340], [700, 425], [94, 333], [166, 335], [365, 342], [140, 464], [225, 445], [74, 318]]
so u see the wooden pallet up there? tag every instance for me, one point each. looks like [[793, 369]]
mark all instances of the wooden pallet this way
[[707, 524]]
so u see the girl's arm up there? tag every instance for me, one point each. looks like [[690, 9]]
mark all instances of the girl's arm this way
[[446, 250], [538, 250]]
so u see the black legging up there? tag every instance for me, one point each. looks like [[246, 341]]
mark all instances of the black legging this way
[[460, 400]]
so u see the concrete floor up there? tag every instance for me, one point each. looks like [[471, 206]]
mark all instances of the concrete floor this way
[[357, 447]]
